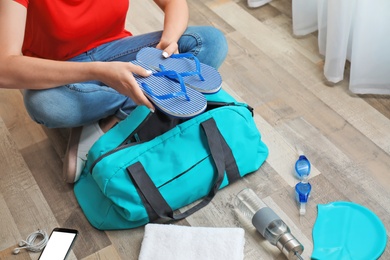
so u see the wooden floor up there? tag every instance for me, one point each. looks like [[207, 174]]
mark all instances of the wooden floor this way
[[345, 136]]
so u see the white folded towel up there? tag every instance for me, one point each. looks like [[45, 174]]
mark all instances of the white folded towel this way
[[173, 242]]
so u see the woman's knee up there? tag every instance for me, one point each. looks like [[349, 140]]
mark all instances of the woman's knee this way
[[75, 105], [208, 43], [46, 107]]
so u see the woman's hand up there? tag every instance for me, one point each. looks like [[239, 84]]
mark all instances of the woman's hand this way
[[168, 49], [175, 23], [119, 76]]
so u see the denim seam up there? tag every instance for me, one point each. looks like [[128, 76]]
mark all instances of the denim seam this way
[[198, 40], [91, 52], [73, 87], [131, 51]]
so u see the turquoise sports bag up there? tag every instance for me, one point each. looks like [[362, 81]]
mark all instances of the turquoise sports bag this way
[[150, 165]]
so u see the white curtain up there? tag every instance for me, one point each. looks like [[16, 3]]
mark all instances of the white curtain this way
[[357, 30]]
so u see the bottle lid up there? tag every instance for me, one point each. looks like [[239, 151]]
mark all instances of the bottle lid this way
[[289, 246], [302, 167]]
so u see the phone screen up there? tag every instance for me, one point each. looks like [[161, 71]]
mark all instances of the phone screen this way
[[59, 244]]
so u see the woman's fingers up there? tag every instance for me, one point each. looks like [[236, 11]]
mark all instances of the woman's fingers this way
[[138, 95], [119, 76], [139, 70], [169, 49]]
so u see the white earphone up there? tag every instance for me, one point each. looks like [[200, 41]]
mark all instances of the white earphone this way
[[29, 245]]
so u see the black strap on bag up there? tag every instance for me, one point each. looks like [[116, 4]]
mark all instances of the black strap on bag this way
[[157, 207]]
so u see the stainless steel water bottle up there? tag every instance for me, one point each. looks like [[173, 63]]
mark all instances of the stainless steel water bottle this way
[[268, 223]]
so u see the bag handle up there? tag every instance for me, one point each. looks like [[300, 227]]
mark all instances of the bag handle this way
[[156, 205]]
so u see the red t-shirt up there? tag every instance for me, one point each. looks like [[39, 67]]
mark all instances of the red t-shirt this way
[[62, 29]]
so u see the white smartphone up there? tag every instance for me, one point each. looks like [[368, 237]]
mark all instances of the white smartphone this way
[[59, 244]]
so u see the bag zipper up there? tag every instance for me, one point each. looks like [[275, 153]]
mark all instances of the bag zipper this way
[[124, 144], [238, 104]]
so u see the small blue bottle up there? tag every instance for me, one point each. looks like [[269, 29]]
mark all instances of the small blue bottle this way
[[303, 188]]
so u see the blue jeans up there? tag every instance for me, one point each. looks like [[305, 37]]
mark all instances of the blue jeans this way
[[87, 102]]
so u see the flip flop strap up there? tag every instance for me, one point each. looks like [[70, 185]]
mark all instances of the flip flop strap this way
[[170, 74], [187, 73]]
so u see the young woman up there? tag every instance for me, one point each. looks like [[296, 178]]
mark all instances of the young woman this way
[[71, 57]]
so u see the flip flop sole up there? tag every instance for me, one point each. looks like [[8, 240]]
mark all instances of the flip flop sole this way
[[212, 79], [177, 106]]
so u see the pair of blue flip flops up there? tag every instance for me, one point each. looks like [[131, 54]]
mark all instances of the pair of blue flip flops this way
[[177, 83]]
